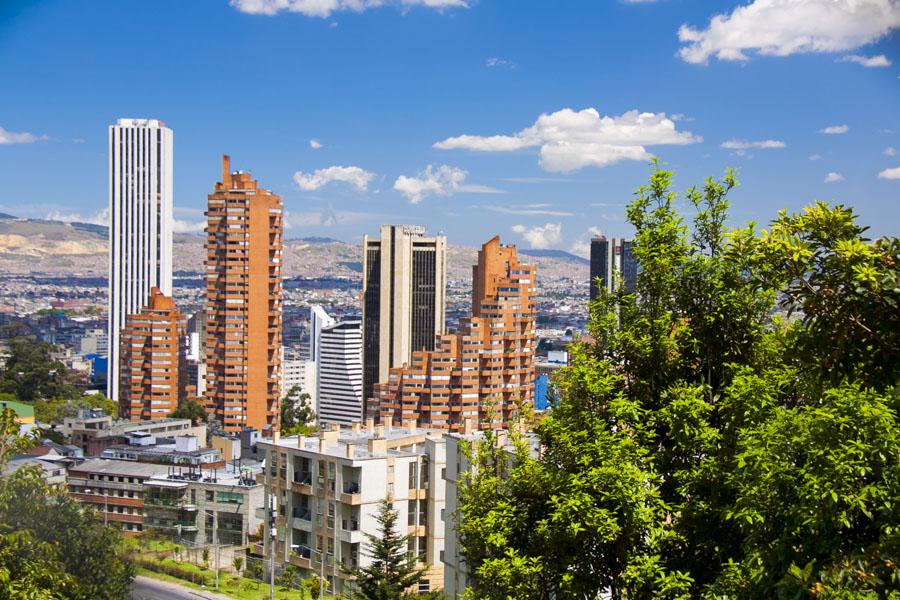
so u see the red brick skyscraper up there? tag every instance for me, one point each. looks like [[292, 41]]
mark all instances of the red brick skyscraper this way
[[243, 303], [482, 373], [152, 349]]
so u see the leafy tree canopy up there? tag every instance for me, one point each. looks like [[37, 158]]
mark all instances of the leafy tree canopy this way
[[31, 373], [731, 431], [191, 408]]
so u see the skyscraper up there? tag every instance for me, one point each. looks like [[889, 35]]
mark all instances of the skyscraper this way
[[340, 374], [153, 348], [243, 303], [609, 256], [482, 373], [404, 281], [140, 225]]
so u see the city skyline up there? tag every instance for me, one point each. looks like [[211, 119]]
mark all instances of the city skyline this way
[[532, 131]]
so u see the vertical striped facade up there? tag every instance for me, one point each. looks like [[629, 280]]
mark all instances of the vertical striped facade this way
[[140, 225], [340, 374]]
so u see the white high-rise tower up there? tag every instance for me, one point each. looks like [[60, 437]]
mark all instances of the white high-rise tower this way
[[140, 224]]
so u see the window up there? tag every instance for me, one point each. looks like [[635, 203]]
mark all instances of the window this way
[[209, 495]]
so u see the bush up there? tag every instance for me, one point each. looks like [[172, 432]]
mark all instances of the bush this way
[[173, 570]]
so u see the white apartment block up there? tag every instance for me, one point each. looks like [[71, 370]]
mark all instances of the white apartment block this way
[[456, 574], [339, 376], [94, 341], [140, 224], [300, 373], [327, 489]]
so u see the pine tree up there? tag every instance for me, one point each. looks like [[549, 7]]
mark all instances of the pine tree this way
[[392, 571]]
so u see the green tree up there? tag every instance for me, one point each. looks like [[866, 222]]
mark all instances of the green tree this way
[[313, 586], [708, 442], [392, 571], [238, 563], [191, 408], [30, 372], [296, 413], [50, 546], [289, 577]]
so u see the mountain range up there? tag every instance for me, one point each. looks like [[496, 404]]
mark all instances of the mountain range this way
[[41, 246]]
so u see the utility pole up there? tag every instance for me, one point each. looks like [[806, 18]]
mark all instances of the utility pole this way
[[216, 542]]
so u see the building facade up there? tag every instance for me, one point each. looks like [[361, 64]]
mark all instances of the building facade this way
[[339, 378], [485, 371], [140, 225], [244, 303], [404, 286], [612, 259], [326, 491], [153, 377]]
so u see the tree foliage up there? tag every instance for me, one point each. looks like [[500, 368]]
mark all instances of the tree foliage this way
[[31, 373], [297, 413], [731, 431], [50, 546], [191, 408], [392, 572]]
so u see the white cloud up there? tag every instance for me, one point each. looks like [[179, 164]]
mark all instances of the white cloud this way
[[890, 151], [528, 209], [533, 179], [570, 140], [540, 236], [442, 180], [816, 157], [315, 144], [101, 217], [785, 27], [324, 8], [499, 62], [879, 60], [893, 173], [835, 129], [736, 144], [329, 217], [23, 137], [355, 176], [833, 177], [179, 226]]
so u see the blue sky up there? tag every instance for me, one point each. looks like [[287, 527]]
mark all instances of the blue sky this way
[[430, 111]]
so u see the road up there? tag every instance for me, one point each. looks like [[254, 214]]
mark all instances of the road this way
[[145, 588]]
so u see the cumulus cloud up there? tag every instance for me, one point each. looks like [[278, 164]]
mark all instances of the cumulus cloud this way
[[879, 60], [325, 8], [570, 140], [442, 180], [540, 236], [315, 144], [785, 27], [23, 137], [179, 226], [893, 173], [544, 210], [101, 217], [355, 176], [890, 151], [833, 177], [835, 129]]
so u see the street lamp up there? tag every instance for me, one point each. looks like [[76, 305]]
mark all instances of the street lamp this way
[[321, 570]]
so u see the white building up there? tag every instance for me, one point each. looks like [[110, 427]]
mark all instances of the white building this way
[[300, 373], [327, 489], [340, 374], [318, 320], [140, 224], [94, 341]]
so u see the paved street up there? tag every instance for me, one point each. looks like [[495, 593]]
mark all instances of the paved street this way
[[145, 588]]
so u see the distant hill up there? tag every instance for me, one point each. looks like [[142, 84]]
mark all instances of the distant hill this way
[[57, 248], [560, 254]]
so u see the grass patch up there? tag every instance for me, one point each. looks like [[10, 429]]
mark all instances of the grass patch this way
[[239, 588]]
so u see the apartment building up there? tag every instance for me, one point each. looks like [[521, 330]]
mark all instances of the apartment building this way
[[244, 303], [93, 431], [485, 371], [327, 488], [153, 377], [339, 376]]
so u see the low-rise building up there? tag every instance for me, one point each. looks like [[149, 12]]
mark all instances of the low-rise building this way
[[327, 489], [94, 431]]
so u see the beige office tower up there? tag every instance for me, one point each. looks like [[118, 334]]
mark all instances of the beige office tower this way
[[404, 285]]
